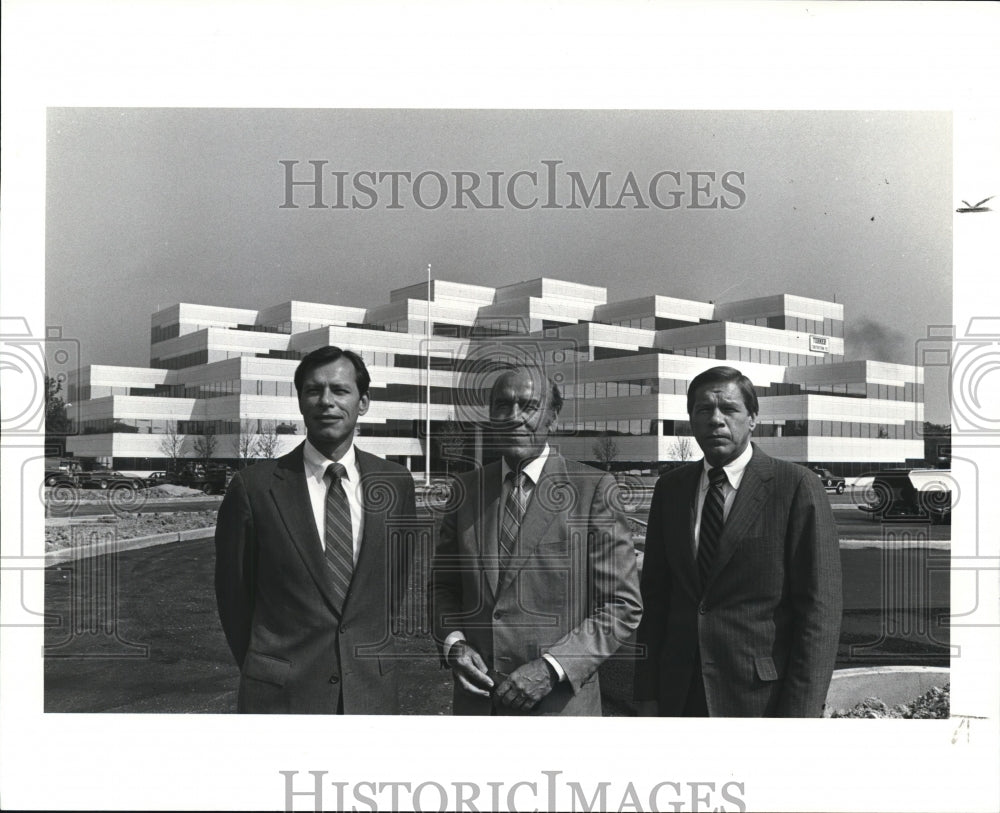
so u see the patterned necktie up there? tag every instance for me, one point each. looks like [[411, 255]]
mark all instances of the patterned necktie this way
[[711, 523], [513, 514], [338, 537]]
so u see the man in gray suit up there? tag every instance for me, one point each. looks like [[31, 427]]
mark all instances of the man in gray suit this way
[[741, 580], [534, 580], [309, 566]]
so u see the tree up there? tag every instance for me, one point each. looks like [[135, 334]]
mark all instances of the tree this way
[[171, 444], [247, 443], [451, 441], [206, 443], [57, 422], [681, 448], [267, 441], [605, 451]]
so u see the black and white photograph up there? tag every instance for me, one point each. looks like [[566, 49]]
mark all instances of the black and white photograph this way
[[337, 416]]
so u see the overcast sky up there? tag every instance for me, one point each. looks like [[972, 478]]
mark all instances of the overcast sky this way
[[148, 207]]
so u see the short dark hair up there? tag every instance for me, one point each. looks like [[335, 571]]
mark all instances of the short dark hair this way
[[724, 375], [324, 355], [555, 399]]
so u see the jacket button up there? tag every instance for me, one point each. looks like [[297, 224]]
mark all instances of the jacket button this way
[[343, 627], [335, 678], [702, 609], [497, 615]]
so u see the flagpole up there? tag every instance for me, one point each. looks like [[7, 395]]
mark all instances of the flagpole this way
[[427, 454]]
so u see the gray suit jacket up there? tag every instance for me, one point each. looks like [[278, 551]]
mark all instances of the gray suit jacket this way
[[571, 589], [767, 622], [296, 652]]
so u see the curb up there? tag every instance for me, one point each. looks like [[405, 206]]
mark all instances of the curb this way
[[58, 557], [896, 544]]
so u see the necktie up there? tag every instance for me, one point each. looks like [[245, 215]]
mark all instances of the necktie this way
[[513, 514], [338, 537], [711, 523]]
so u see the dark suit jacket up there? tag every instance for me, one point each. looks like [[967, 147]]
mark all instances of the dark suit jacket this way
[[571, 589], [296, 653], [767, 622]]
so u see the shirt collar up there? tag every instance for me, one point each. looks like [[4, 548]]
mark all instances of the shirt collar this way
[[316, 462], [533, 469], [734, 469]]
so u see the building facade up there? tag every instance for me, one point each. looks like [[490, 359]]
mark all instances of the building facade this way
[[219, 379]]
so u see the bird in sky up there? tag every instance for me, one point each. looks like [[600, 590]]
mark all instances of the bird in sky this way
[[978, 207]]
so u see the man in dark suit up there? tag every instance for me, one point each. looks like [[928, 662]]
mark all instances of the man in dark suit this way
[[741, 578], [534, 580], [309, 571]]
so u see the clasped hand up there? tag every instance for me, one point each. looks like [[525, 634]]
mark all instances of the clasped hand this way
[[523, 688]]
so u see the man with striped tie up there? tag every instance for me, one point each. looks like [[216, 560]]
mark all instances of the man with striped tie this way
[[310, 568], [534, 580], [741, 579]]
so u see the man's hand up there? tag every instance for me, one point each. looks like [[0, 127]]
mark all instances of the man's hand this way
[[469, 669], [527, 685]]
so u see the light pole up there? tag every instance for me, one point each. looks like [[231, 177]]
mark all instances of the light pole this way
[[427, 329]]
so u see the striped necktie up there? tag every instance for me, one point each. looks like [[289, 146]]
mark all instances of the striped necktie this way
[[338, 536], [711, 523], [513, 514]]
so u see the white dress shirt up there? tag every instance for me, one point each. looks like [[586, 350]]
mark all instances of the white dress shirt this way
[[734, 476], [532, 471], [316, 464]]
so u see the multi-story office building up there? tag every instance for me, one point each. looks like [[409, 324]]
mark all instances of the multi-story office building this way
[[623, 366]]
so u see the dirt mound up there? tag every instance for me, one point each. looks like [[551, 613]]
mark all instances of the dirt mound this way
[[65, 535], [934, 704], [167, 490], [62, 494]]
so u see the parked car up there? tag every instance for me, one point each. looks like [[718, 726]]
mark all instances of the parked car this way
[[159, 478], [831, 481], [109, 478], [59, 477], [61, 471], [212, 479], [909, 495]]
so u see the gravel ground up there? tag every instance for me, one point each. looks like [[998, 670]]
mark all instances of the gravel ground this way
[[59, 534]]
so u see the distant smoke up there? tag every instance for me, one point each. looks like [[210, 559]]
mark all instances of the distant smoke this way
[[868, 339]]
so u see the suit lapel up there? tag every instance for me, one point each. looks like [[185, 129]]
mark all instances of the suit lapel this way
[[682, 552], [753, 490], [487, 522], [373, 541], [291, 497], [537, 517]]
